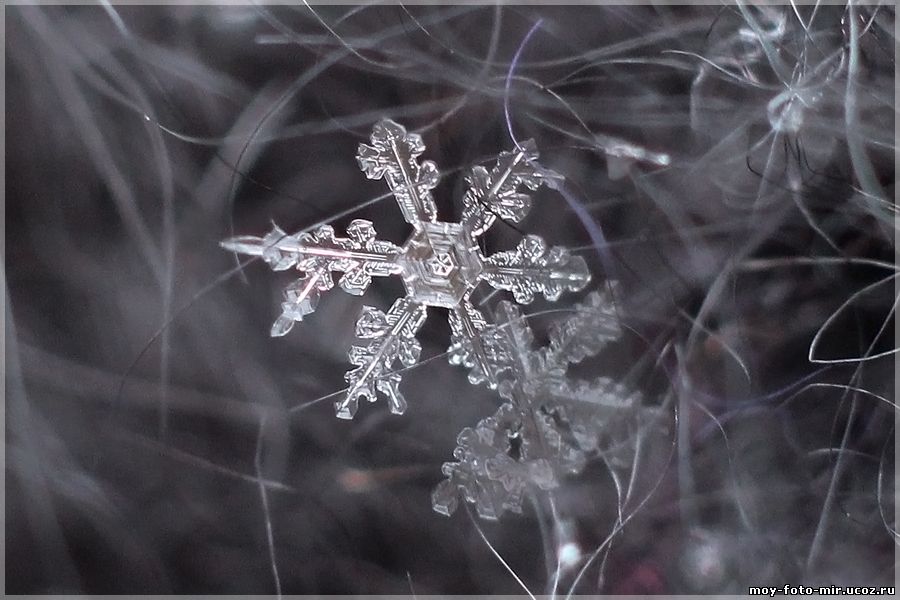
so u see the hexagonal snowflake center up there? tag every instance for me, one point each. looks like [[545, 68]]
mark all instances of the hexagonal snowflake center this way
[[441, 263]]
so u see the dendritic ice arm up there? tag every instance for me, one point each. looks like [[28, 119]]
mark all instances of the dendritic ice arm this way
[[509, 343], [476, 448], [593, 324], [393, 155], [389, 338], [467, 478], [359, 256], [471, 348], [533, 268], [495, 193], [597, 417], [500, 460]]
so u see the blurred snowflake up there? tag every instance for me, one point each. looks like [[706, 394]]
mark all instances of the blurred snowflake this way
[[441, 264], [549, 426]]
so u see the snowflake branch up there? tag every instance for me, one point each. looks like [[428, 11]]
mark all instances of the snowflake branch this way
[[468, 346], [533, 268], [393, 339], [591, 327], [393, 155], [301, 299], [359, 256], [495, 194]]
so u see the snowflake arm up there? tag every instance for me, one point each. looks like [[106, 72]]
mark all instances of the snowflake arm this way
[[476, 487], [517, 363], [598, 417], [476, 448], [393, 156], [509, 341], [592, 326], [469, 347], [316, 254], [389, 338], [496, 193], [533, 268], [498, 462]]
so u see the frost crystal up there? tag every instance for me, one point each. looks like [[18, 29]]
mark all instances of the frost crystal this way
[[441, 264], [549, 427]]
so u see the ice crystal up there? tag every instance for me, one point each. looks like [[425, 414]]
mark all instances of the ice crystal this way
[[440, 264], [549, 426]]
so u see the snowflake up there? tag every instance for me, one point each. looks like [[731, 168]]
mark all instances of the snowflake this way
[[549, 426], [440, 264]]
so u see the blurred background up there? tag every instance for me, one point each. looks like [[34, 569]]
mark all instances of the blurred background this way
[[737, 161]]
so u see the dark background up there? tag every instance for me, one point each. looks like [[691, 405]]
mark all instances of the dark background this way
[[142, 386]]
